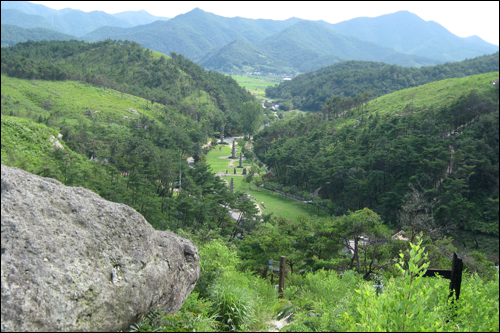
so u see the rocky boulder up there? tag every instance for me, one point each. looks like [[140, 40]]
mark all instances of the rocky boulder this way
[[72, 261]]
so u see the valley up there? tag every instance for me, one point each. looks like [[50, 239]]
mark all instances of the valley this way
[[256, 84], [363, 154]]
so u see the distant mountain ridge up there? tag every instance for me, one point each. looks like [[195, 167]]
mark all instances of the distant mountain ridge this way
[[407, 33], [195, 33], [70, 21], [293, 45], [240, 55]]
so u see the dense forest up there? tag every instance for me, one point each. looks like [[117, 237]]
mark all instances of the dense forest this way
[[310, 91], [446, 155], [424, 161]]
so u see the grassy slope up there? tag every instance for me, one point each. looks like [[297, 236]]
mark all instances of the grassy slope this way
[[426, 96], [70, 100], [25, 142]]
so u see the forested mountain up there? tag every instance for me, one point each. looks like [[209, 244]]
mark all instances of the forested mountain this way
[[307, 41], [194, 34], [121, 120], [209, 39], [70, 21], [12, 35], [407, 33], [311, 90], [73, 22], [241, 56], [441, 138], [131, 69], [32, 8], [20, 19]]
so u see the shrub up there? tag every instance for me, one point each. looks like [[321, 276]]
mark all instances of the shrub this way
[[234, 302], [411, 302], [215, 258]]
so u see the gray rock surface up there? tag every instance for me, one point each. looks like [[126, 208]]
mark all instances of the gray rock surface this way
[[72, 261]]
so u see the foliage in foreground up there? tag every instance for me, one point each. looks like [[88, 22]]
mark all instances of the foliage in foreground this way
[[328, 301]]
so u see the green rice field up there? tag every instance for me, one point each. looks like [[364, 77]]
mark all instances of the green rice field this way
[[257, 84]]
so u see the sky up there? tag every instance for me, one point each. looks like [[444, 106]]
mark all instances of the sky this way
[[462, 18]]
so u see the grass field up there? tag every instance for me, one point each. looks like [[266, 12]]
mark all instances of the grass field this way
[[279, 205], [432, 94], [257, 84], [219, 164]]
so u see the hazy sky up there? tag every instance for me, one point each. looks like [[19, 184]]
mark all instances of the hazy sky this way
[[463, 18]]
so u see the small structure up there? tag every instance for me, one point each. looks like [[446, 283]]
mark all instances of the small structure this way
[[233, 151], [241, 161], [231, 186]]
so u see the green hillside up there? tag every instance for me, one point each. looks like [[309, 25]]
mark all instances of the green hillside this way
[[123, 121], [310, 91], [441, 138], [118, 145], [193, 34], [177, 83]]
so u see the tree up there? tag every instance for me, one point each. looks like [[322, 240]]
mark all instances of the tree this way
[[363, 222], [415, 215], [250, 117]]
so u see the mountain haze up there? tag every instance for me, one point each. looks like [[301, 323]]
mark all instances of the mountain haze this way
[[12, 34], [195, 33], [69, 21], [307, 41], [405, 32]]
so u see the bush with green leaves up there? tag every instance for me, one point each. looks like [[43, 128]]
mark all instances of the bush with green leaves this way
[[316, 301], [215, 259], [414, 303], [234, 302], [240, 301], [194, 316]]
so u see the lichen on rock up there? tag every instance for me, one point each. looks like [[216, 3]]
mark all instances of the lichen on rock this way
[[72, 261]]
